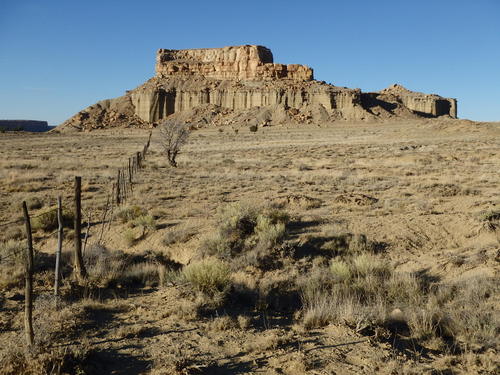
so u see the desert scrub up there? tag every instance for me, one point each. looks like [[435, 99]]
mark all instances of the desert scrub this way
[[109, 268], [209, 276], [490, 220], [364, 290], [129, 213], [180, 234], [357, 290], [47, 220], [145, 222], [12, 255], [129, 237], [242, 228]]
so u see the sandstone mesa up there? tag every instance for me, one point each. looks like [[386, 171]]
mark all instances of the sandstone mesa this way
[[242, 85]]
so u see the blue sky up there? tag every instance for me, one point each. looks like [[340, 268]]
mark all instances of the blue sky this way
[[57, 57]]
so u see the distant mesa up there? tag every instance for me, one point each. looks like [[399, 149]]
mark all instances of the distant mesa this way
[[24, 125], [242, 85]]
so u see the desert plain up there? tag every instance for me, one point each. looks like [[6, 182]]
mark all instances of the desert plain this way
[[352, 248]]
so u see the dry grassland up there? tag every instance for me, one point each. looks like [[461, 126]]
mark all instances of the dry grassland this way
[[359, 248]]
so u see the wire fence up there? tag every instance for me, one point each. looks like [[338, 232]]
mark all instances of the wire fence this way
[[70, 225]]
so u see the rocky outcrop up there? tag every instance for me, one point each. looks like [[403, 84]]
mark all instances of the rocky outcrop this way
[[234, 63], [242, 85], [424, 104]]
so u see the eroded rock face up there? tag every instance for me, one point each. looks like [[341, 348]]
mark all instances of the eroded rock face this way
[[234, 63], [243, 86], [426, 104]]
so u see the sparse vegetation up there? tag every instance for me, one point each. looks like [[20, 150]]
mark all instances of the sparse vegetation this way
[[374, 260]]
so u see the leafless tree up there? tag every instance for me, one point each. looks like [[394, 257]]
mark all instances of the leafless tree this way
[[174, 135]]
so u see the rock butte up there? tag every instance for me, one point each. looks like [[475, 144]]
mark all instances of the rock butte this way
[[243, 86]]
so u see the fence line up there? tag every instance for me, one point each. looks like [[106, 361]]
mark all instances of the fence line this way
[[121, 190]]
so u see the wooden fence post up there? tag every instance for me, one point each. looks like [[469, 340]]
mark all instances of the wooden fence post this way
[[138, 155], [79, 265], [124, 185], [118, 187], [59, 245], [28, 275], [129, 172]]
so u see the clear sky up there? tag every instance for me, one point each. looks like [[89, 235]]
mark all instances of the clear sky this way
[[57, 57]]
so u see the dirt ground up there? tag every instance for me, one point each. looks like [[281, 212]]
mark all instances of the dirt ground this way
[[418, 190]]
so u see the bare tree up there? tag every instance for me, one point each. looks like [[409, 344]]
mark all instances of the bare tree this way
[[174, 135]]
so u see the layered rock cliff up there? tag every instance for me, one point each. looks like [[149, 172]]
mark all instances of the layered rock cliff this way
[[242, 85]]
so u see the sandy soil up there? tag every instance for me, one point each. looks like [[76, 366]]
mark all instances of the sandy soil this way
[[417, 189]]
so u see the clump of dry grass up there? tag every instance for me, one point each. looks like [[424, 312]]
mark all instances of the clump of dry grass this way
[[12, 255], [179, 235], [209, 276], [109, 268], [52, 324], [127, 214]]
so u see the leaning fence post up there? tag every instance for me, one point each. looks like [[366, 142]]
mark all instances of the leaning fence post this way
[[28, 275], [59, 244], [80, 267]]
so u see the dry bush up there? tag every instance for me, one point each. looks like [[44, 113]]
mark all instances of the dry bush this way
[[246, 234], [129, 237], [34, 203], [52, 326], [209, 276], [13, 233], [346, 244], [129, 213], [490, 220], [357, 290], [71, 359], [474, 311], [109, 268], [173, 135], [145, 222], [12, 255], [179, 235], [47, 220]]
